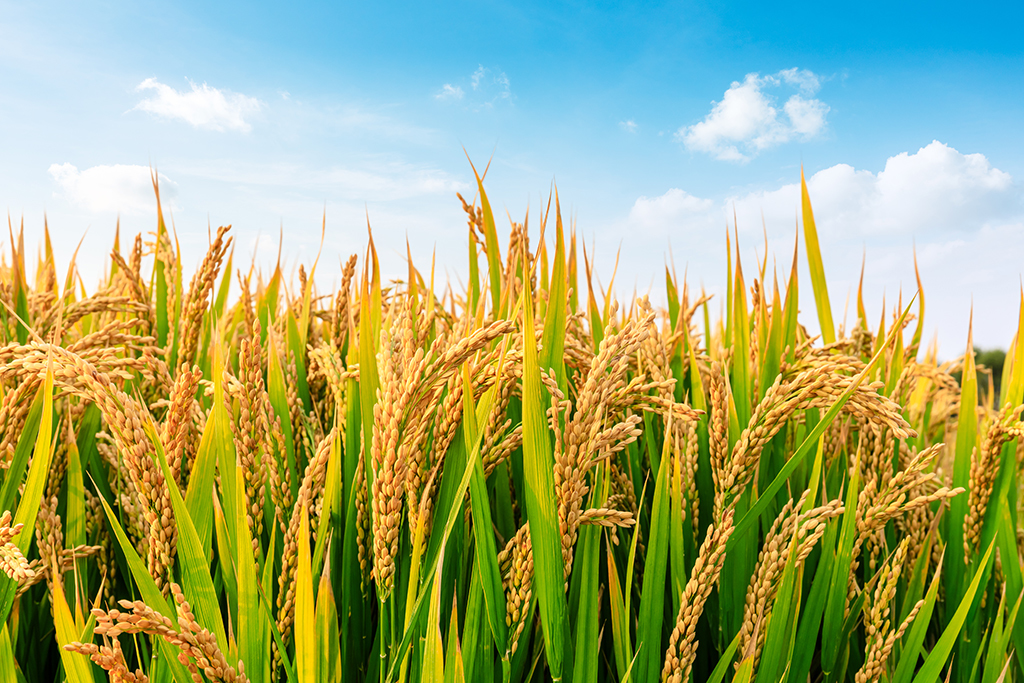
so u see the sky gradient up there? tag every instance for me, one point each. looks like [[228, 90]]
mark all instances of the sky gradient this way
[[658, 122]]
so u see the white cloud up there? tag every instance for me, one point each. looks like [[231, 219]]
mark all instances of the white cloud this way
[[119, 188], [449, 91], [964, 216], [747, 120], [670, 209], [934, 191], [202, 106], [373, 180], [628, 126]]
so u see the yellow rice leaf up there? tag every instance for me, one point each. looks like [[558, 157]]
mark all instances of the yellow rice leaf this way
[[305, 618], [828, 330], [76, 666]]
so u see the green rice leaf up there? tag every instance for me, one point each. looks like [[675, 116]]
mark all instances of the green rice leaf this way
[[740, 323], [588, 618], [792, 307], [1013, 390], [932, 667], [486, 551], [192, 560], [39, 468], [279, 401], [149, 591], [1007, 540], [328, 640], [297, 346], [772, 355], [454, 672], [433, 652], [491, 245], [433, 558], [216, 450], [621, 644], [332, 493], [678, 509], [781, 626], [35, 481], [915, 342], [369, 380], [20, 286], [252, 630], [835, 607], [652, 595], [538, 465], [553, 334], [915, 636], [15, 474], [745, 671], [996, 652], [221, 300], [806, 643], [725, 661], [8, 667], [74, 517], [966, 440], [227, 574]]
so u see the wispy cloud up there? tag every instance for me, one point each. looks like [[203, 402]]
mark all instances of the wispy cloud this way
[[747, 121], [628, 126], [487, 87], [393, 181], [478, 76], [202, 106], [321, 121], [119, 188], [808, 81], [450, 92]]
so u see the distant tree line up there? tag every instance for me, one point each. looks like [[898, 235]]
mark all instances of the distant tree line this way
[[990, 365]]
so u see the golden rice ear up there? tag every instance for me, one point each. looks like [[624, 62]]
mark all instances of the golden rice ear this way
[[194, 306]]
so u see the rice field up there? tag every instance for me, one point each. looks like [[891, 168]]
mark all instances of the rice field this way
[[226, 476]]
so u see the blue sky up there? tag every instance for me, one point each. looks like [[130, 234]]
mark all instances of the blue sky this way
[[657, 121]]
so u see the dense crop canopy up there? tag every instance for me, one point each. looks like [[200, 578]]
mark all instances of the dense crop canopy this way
[[248, 479]]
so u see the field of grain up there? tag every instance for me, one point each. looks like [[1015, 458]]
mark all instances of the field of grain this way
[[226, 476]]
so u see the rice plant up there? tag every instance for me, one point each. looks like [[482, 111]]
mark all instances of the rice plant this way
[[243, 478]]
